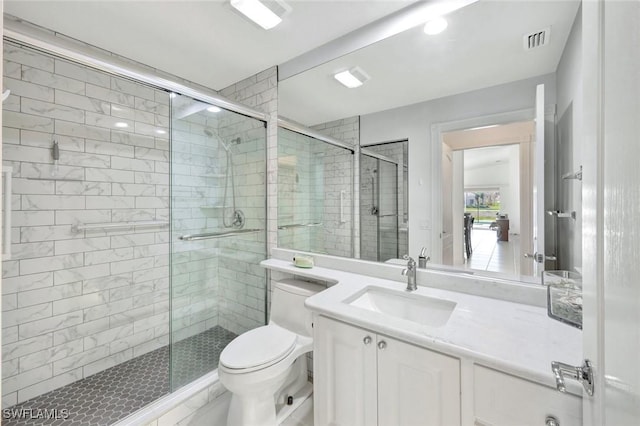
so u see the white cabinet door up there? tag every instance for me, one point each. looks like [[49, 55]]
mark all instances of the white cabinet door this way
[[416, 386], [344, 368], [504, 400]]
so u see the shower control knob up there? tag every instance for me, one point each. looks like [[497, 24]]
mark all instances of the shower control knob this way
[[551, 421], [367, 340], [382, 345]]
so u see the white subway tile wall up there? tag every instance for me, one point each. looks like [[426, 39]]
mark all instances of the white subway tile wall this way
[[391, 240], [315, 195], [242, 281], [368, 221], [347, 130], [77, 302]]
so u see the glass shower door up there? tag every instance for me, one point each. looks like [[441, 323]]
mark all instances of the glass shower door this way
[[218, 233], [315, 193], [379, 217], [388, 210]]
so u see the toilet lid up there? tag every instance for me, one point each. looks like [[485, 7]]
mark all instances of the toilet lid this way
[[260, 346]]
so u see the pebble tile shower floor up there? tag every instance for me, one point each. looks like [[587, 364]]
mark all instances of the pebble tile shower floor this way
[[111, 395]]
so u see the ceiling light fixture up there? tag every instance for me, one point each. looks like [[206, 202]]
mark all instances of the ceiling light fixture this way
[[160, 131], [352, 78], [214, 109], [435, 26], [121, 124], [257, 12]]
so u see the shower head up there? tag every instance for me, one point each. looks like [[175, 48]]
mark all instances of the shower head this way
[[226, 146]]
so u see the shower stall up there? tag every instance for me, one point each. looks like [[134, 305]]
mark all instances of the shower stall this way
[[315, 192], [383, 201], [138, 219]]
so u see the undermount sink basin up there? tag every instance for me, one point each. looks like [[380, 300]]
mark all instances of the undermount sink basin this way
[[413, 307]]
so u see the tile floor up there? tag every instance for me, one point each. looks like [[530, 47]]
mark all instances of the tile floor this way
[[108, 396], [492, 255]]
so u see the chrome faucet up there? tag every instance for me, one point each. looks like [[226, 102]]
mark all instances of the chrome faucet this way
[[423, 258], [410, 273]]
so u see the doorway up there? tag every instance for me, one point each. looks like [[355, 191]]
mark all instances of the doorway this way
[[486, 177]]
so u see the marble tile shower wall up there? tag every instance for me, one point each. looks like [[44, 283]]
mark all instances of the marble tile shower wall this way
[[336, 199], [388, 238], [198, 170], [393, 243], [368, 221], [242, 280], [76, 303], [296, 188], [342, 236]]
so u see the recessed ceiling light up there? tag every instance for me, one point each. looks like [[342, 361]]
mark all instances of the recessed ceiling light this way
[[435, 26], [257, 12], [121, 124], [214, 109], [160, 131], [352, 78]]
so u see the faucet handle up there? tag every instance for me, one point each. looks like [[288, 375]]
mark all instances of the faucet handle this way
[[410, 262]]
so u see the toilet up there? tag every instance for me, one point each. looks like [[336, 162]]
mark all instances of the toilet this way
[[265, 366]]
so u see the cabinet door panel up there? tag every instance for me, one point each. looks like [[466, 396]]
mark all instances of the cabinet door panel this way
[[416, 386], [344, 375], [505, 400]]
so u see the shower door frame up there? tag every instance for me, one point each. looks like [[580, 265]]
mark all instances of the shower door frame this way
[[376, 196], [306, 131]]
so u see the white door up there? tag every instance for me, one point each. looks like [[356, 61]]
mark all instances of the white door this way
[[345, 374], [611, 210], [447, 208], [416, 386], [537, 254]]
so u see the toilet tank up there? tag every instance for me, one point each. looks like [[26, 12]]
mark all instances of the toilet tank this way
[[287, 305]]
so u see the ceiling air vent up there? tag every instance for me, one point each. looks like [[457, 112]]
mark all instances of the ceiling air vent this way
[[536, 39]]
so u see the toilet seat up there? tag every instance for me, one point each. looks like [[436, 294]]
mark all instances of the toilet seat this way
[[258, 348]]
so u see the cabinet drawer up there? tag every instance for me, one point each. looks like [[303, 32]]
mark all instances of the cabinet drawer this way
[[504, 400]]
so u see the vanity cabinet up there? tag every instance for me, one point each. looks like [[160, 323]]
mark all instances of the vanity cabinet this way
[[365, 378]]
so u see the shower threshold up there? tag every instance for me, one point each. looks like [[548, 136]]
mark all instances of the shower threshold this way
[[111, 395]]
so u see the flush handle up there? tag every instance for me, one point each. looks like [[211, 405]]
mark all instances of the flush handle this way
[[382, 345], [367, 340], [583, 374]]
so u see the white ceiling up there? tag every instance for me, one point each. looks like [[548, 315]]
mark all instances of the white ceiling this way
[[488, 157], [482, 47], [206, 42]]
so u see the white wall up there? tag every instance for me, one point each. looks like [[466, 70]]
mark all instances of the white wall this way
[[413, 122], [569, 148]]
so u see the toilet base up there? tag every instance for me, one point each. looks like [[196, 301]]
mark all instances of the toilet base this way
[[283, 412], [255, 405]]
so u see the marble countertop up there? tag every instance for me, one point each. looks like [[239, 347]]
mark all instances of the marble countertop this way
[[511, 337]]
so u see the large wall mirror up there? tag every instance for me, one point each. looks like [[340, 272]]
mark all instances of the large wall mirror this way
[[490, 112]]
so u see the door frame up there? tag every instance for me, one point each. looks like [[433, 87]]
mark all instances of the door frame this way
[[593, 206], [437, 130]]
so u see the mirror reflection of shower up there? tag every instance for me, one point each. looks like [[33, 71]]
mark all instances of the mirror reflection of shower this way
[[374, 208], [236, 219]]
